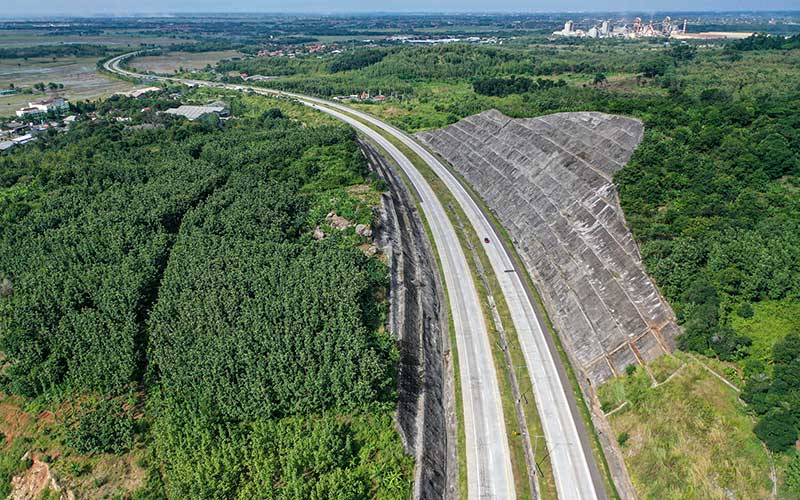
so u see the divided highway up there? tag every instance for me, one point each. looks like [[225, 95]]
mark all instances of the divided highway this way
[[489, 473]]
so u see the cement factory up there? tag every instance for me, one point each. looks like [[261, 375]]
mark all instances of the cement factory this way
[[638, 29]]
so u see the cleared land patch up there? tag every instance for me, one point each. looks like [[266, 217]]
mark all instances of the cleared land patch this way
[[690, 437], [189, 61], [79, 76]]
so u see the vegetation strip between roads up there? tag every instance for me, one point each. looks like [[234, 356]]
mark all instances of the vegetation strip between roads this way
[[468, 238], [582, 484]]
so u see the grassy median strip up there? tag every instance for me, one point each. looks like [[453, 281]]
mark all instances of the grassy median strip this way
[[507, 400], [597, 449], [516, 389]]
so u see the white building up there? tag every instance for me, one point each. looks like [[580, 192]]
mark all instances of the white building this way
[[137, 93], [41, 108], [569, 30]]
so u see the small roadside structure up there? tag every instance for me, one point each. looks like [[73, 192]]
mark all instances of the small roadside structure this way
[[195, 112], [137, 93]]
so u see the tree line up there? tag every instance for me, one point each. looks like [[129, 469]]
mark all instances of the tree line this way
[[65, 50]]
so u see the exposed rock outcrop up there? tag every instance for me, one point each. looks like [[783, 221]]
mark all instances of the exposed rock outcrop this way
[[31, 484], [337, 221]]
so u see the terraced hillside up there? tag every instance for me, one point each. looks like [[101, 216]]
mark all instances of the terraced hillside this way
[[549, 182]]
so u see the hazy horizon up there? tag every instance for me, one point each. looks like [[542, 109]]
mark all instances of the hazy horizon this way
[[152, 8]]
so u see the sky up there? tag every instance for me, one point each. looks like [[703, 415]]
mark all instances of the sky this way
[[123, 7]]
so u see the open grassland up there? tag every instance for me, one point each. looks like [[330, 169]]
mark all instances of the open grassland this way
[[175, 61], [79, 76], [687, 438]]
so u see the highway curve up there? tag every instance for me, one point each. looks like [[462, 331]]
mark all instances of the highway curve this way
[[488, 463], [489, 472], [575, 472]]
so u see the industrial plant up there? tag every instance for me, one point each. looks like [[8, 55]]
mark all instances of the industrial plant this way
[[638, 29]]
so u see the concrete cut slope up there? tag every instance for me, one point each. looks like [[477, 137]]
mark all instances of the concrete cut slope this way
[[549, 182]]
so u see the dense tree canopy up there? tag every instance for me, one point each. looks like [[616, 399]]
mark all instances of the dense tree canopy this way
[[776, 399], [174, 259], [513, 85], [760, 41]]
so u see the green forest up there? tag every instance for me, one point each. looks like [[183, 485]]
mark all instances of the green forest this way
[[163, 285], [712, 194], [163, 297]]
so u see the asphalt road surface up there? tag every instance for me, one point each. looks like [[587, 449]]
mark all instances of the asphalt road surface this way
[[489, 472], [575, 472]]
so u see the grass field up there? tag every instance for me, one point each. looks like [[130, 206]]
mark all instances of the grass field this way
[[78, 74], [168, 63], [688, 438]]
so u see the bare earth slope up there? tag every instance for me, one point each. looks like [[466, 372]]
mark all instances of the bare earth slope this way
[[549, 182]]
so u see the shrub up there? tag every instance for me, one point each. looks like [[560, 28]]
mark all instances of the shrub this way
[[793, 475], [102, 427], [777, 430], [744, 310]]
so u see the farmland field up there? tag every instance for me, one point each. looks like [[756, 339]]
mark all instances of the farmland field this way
[[114, 40], [78, 74], [189, 61]]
